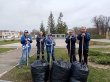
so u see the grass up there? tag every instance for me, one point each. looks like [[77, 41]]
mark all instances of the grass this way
[[105, 50], [95, 36], [99, 57], [99, 75], [96, 43], [3, 42], [2, 50], [24, 74]]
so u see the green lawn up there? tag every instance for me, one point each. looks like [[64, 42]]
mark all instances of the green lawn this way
[[2, 50], [99, 75], [24, 74], [3, 42], [105, 50]]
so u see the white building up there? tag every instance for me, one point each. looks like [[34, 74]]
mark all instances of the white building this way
[[9, 34]]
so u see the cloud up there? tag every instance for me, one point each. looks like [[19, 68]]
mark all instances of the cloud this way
[[28, 14]]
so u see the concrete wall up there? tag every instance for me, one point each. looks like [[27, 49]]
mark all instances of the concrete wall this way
[[58, 36]]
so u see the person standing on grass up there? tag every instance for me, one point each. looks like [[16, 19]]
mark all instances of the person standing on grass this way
[[40, 45], [85, 46], [50, 43], [26, 41], [70, 41]]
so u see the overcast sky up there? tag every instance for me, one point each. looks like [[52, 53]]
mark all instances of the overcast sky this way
[[28, 14]]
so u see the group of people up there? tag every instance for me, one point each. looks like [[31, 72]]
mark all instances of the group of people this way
[[84, 39], [49, 42]]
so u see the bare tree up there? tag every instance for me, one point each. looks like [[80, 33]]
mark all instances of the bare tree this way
[[92, 31], [77, 30], [34, 32], [101, 23]]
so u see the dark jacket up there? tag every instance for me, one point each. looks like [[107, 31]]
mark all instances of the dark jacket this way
[[73, 40], [38, 41], [86, 41]]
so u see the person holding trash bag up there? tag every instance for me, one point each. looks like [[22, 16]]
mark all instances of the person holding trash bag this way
[[85, 45], [26, 41], [50, 43], [70, 40], [40, 45]]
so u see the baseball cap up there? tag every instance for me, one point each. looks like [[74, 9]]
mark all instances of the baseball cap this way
[[49, 34], [26, 31]]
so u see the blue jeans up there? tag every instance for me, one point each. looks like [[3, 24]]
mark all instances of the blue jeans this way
[[48, 55], [24, 52]]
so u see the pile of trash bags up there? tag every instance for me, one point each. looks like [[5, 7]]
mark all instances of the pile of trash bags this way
[[79, 72], [61, 71], [40, 71]]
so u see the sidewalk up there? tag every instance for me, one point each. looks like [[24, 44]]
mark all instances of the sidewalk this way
[[5, 81], [101, 40], [10, 59]]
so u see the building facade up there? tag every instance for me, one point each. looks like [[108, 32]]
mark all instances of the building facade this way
[[9, 34]]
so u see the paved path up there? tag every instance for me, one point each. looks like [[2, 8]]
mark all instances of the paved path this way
[[100, 40], [11, 59], [59, 43], [17, 45], [5, 81]]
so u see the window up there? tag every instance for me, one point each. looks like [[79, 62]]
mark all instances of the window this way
[[58, 36], [62, 35], [53, 35]]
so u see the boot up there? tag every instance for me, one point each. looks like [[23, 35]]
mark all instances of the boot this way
[[38, 57], [43, 57]]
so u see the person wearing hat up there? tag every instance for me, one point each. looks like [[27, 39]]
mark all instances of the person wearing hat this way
[[40, 45], [26, 41], [50, 43], [70, 41]]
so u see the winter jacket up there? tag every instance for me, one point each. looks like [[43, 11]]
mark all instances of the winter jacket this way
[[38, 42], [49, 45], [73, 40], [86, 41], [24, 42]]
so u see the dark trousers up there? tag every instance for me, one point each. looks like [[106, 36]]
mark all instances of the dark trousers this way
[[72, 55], [52, 54], [40, 51], [85, 55]]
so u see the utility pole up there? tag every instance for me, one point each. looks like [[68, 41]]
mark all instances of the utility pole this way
[[48, 29]]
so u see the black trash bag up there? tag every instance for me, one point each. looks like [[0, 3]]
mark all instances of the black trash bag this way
[[60, 71], [40, 71], [79, 71], [73, 80]]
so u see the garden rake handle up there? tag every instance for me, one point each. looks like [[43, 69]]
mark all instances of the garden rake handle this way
[[82, 58], [40, 48], [51, 54], [70, 50], [27, 54]]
